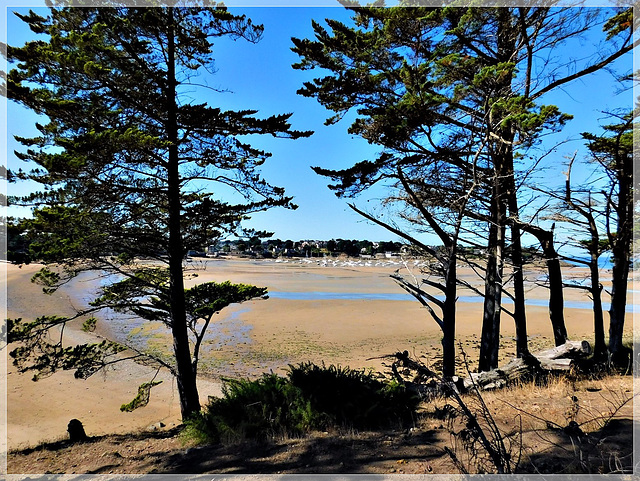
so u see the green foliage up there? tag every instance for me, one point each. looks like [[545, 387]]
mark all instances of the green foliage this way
[[142, 398], [47, 278], [615, 148], [619, 23], [310, 397], [144, 293], [37, 353], [602, 245], [16, 330], [108, 170], [59, 233], [89, 325], [270, 406], [124, 258], [17, 242], [452, 97], [204, 300], [353, 397]]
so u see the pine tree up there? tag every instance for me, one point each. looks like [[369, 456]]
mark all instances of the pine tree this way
[[456, 91], [132, 166], [614, 151]]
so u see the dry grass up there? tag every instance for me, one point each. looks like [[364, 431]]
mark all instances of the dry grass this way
[[567, 425], [532, 418]]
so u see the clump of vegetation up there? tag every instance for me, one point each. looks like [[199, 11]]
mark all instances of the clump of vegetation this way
[[309, 398], [142, 398], [354, 397]]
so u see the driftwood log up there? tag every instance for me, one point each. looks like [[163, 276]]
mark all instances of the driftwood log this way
[[559, 358], [427, 383]]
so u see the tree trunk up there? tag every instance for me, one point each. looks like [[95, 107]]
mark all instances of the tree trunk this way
[[556, 287], [495, 340], [617, 310], [556, 296], [519, 310], [599, 348], [449, 319], [492, 294], [501, 153], [621, 250], [185, 377]]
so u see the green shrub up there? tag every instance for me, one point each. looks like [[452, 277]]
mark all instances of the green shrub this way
[[309, 398], [353, 397]]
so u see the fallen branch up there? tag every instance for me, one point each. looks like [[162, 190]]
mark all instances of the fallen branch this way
[[428, 383], [559, 358]]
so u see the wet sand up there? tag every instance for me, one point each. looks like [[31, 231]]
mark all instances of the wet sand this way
[[254, 337]]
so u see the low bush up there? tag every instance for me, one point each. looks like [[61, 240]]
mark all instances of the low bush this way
[[310, 398], [353, 398]]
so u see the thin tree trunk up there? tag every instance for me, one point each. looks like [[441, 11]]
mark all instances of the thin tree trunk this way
[[495, 340], [185, 377], [556, 295], [519, 311], [448, 324], [599, 348], [502, 158], [556, 287], [449, 318]]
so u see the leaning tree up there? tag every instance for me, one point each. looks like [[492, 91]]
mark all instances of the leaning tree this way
[[463, 87], [614, 152], [133, 165]]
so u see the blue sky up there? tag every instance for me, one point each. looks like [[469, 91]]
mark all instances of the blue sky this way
[[260, 77]]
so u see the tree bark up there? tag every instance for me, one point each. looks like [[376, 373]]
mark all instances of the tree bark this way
[[448, 307], [501, 154], [492, 294], [621, 250], [618, 305], [185, 377], [556, 296], [449, 318], [594, 249], [599, 348], [495, 339], [519, 310]]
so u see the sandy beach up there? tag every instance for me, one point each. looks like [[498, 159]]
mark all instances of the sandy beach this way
[[346, 314]]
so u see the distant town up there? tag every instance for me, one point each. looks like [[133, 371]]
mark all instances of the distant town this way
[[274, 248], [364, 249]]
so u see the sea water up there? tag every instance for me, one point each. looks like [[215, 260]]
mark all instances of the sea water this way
[[231, 329]]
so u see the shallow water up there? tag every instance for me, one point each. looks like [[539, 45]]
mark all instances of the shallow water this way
[[231, 329], [317, 296], [136, 332]]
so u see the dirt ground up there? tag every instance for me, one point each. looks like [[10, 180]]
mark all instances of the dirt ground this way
[[534, 421]]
